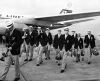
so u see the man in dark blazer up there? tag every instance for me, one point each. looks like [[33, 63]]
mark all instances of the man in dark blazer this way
[[89, 45], [30, 40], [48, 43], [26, 38], [57, 41], [58, 45], [40, 43], [74, 35], [14, 41], [78, 47], [67, 45]]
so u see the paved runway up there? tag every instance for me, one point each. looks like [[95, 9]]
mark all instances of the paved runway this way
[[49, 71]]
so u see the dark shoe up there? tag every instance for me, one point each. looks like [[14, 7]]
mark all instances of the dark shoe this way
[[26, 60], [46, 58], [1, 80], [41, 62], [58, 64], [37, 64], [16, 79], [13, 63], [30, 59], [2, 59], [62, 71], [76, 61], [89, 62], [49, 58], [65, 66]]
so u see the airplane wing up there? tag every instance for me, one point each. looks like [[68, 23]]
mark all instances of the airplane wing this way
[[47, 21], [68, 17], [50, 21]]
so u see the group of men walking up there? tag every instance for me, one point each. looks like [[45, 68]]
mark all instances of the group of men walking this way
[[65, 45], [74, 46]]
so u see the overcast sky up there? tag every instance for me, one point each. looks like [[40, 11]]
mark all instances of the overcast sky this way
[[47, 7]]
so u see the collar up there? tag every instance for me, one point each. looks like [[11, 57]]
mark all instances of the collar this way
[[66, 35], [12, 31], [59, 34], [79, 38]]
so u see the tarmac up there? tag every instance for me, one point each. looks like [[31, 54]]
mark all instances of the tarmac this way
[[50, 71]]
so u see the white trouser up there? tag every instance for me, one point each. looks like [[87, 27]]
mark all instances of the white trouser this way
[[88, 54], [8, 64], [47, 51], [58, 53], [66, 59], [29, 49], [40, 53]]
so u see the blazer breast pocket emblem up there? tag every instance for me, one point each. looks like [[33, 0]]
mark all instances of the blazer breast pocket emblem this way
[[13, 38], [91, 38], [67, 41]]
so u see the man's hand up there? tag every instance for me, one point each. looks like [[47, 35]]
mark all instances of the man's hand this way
[[10, 48], [23, 37], [3, 37]]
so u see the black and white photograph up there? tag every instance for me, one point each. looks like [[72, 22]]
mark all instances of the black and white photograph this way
[[49, 40]]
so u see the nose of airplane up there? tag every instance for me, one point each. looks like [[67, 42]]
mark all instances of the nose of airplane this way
[[2, 27]]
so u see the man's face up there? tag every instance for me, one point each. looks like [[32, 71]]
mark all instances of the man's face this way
[[31, 29], [66, 32], [59, 32], [79, 35], [73, 32], [47, 31], [89, 32], [39, 30], [11, 28]]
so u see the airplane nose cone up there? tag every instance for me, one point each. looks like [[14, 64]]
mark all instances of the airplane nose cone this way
[[2, 27]]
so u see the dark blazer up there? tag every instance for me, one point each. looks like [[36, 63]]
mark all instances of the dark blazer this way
[[48, 38], [14, 40], [67, 43], [90, 41], [41, 38], [58, 42], [27, 36], [73, 39], [30, 38], [78, 43]]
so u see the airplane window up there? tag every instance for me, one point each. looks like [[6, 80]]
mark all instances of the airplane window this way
[[6, 15], [18, 16], [14, 16]]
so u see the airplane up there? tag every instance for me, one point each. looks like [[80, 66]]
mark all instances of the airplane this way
[[52, 22]]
